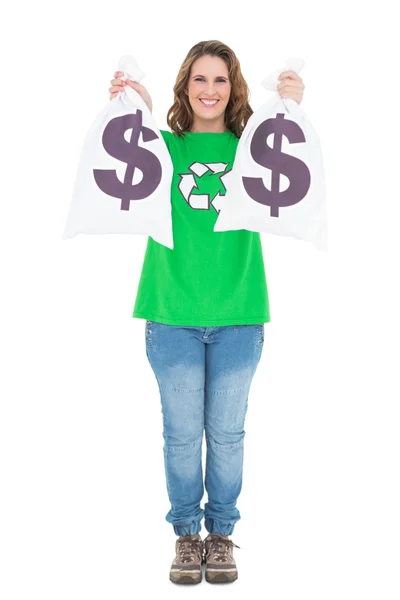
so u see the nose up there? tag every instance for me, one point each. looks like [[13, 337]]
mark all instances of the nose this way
[[210, 90]]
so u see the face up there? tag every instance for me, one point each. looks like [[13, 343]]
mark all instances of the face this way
[[208, 80]]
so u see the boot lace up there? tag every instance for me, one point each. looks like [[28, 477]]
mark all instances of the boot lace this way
[[188, 547], [219, 546]]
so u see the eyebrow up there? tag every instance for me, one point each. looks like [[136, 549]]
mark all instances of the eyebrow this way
[[217, 76]]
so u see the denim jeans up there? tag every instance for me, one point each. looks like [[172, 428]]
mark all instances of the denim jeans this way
[[204, 376]]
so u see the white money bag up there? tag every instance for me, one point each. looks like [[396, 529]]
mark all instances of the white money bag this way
[[277, 182], [123, 182]]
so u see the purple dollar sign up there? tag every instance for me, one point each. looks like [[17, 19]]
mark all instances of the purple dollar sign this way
[[273, 158], [133, 155]]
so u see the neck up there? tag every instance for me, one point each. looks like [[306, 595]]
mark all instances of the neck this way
[[208, 130], [208, 127]]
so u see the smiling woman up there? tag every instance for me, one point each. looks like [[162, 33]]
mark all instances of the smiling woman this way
[[205, 303]]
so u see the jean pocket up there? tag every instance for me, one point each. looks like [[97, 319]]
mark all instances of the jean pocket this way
[[260, 330]]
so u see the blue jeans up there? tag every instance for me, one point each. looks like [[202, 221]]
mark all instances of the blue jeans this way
[[204, 376]]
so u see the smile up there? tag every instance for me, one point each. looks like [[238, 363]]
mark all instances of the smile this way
[[208, 102]]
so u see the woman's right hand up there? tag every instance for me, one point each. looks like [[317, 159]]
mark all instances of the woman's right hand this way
[[118, 84]]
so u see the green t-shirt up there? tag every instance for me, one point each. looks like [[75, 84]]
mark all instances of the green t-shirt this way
[[209, 278]]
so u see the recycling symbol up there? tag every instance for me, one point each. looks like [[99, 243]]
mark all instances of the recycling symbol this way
[[197, 198]]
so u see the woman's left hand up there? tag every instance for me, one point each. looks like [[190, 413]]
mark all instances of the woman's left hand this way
[[291, 86]]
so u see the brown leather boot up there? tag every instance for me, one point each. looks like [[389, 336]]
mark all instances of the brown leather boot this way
[[220, 564]]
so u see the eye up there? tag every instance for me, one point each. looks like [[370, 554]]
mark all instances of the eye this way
[[202, 79]]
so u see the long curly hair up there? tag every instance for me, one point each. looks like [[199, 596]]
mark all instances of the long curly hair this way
[[238, 110]]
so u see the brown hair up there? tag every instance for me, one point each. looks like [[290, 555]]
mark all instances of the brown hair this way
[[238, 110]]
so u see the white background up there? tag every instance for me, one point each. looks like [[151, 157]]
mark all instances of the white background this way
[[83, 494]]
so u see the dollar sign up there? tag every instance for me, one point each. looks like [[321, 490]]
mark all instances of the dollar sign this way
[[279, 162], [133, 155]]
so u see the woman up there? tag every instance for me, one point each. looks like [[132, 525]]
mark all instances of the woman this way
[[205, 303]]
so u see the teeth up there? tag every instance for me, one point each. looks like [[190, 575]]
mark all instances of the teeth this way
[[209, 103]]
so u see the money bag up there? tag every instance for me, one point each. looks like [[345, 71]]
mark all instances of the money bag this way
[[277, 182], [123, 181]]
